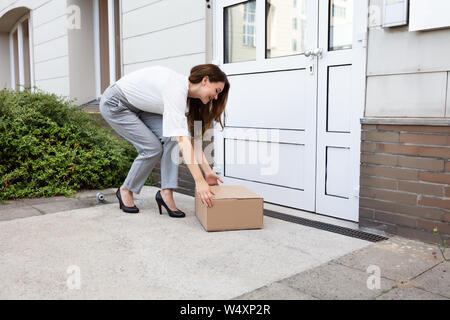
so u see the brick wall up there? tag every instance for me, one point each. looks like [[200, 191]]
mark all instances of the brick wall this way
[[405, 178], [186, 183]]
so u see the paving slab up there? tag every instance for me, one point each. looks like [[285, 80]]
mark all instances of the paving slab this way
[[410, 293], [115, 255], [436, 280], [333, 281], [62, 205], [276, 291], [398, 258], [110, 194], [17, 210]]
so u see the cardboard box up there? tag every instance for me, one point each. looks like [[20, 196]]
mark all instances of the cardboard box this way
[[234, 208]]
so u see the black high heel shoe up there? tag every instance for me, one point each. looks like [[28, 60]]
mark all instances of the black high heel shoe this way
[[160, 201], [124, 207]]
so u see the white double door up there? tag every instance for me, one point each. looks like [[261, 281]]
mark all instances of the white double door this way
[[292, 122]]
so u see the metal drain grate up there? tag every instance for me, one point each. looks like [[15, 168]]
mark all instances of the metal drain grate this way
[[326, 226]]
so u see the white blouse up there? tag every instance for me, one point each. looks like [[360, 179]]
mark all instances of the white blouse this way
[[160, 90]]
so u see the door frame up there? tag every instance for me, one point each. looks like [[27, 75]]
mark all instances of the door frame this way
[[113, 58], [360, 29]]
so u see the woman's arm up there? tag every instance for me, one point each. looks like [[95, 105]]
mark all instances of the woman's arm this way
[[202, 188], [210, 176], [201, 155]]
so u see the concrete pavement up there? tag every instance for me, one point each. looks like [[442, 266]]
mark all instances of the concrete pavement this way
[[77, 248]]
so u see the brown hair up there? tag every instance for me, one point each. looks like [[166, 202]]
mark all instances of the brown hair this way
[[207, 113]]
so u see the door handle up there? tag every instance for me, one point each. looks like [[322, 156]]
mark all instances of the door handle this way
[[317, 52]]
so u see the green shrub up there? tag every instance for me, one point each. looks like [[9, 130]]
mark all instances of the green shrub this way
[[49, 147]]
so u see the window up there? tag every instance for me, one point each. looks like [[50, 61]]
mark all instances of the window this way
[[240, 32], [283, 37], [341, 25]]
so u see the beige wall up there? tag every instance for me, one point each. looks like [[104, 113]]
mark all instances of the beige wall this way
[[51, 47], [168, 32], [81, 54], [407, 71], [5, 78], [50, 50]]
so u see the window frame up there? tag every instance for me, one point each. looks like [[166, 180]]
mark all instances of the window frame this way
[[261, 63]]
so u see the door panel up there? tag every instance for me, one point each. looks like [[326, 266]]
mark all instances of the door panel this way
[[339, 98], [251, 160], [255, 102], [340, 103]]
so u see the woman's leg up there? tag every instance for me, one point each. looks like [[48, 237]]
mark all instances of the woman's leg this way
[[169, 159], [127, 123]]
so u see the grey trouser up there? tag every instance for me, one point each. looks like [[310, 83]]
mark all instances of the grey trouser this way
[[144, 131]]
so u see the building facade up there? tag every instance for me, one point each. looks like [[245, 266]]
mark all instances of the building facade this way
[[336, 107]]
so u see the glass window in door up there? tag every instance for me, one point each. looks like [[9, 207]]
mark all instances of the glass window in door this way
[[285, 27], [240, 32], [341, 25]]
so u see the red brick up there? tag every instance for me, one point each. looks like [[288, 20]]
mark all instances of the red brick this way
[[368, 147], [421, 188], [443, 178], [434, 202], [430, 225], [436, 152], [428, 139], [391, 195], [447, 192], [419, 129], [369, 127], [425, 236], [395, 173], [380, 136], [421, 163], [427, 213], [366, 213], [446, 216], [387, 160], [378, 183], [447, 166], [396, 219]]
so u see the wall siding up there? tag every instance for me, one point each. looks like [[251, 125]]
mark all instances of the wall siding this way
[[168, 32], [50, 38], [408, 60], [412, 95], [50, 49]]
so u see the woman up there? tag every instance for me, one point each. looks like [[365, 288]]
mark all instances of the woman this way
[[155, 108]]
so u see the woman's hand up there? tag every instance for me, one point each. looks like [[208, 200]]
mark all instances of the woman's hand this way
[[211, 178], [204, 192]]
